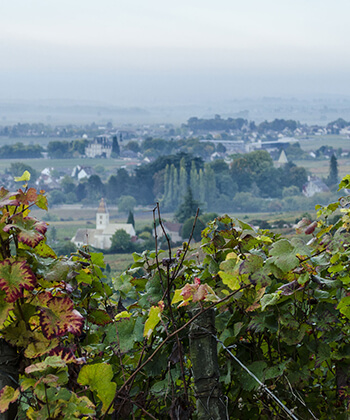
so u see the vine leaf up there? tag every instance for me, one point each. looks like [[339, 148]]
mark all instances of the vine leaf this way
[[283, 255], [14, 277], [99, 378], [8, 198], [344, 306], [7, 395], [60, 318], [49, 363], [39, 345], [31, 230], [24, 177], [153, 319], [99, 317], [67, 355], [41, 202], [5, 308], [229, 271]]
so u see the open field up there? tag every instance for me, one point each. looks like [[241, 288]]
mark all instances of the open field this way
[[42, 141], [59, 164], [320, 168], [315, 142]]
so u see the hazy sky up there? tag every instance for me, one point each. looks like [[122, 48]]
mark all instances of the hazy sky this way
[[137, 52]]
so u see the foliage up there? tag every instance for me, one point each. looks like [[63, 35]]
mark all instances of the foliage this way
[[188, 208], [131, 219], [88, 351], [333, 171], [121, 242], [20, 151], [187, 228], [126, 203]]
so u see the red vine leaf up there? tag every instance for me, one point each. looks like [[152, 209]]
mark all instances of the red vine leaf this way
[[99, 317], [67, 354], [8, 198], [27, 197], [14, 277], [31, 231], [60, 318]]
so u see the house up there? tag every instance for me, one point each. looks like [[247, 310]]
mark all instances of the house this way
[[101, 237], [80, 172], [46, 180], [314, 186], [172, 230], [100, 146]]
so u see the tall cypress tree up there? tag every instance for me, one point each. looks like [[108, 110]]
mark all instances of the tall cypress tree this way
[[333, 171], [187, 208], [194, 179], [115, 147], [182, 178], [131, 219]]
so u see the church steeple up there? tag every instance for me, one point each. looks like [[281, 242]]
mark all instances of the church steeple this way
[[102, 216]]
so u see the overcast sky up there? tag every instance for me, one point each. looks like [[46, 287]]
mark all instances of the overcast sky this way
[[137, 52]]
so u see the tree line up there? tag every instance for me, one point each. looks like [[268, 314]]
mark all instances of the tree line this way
[[215, 185]]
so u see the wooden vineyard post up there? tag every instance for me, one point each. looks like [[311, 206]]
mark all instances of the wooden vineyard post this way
[[205, 367]]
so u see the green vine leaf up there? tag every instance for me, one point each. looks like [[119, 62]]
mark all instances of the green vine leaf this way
[[99, 378], [283, 255], [344, 306], [98, 317], [153, 319], [60, 318], [14, 277], [8, 395], [24, 177], [48, 363]]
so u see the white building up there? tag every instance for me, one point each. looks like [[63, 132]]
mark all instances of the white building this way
[[101, 237], [99, 146]]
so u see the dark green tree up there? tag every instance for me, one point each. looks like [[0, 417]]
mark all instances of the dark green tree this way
[[121, 242], [115, 147], [187, 229], [131, 218], [126, 203], [333, 171], [187, 208], [95, 188]]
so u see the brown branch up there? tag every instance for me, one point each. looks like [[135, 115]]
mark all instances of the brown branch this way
[[156, 246], [163, 229]]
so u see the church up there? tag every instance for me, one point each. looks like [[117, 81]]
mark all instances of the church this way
[[101, 237]]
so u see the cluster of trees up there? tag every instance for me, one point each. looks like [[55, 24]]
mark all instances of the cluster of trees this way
[[215, 185], [19, 150], [155, 147], [218, 123], [47, 130], [257, 169], [66, 149]]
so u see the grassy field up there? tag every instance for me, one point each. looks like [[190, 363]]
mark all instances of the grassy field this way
[[315, 142], [59, 164], [320, 168]]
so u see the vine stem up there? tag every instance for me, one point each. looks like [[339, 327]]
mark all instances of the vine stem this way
[[156, 246], [167, 339]]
